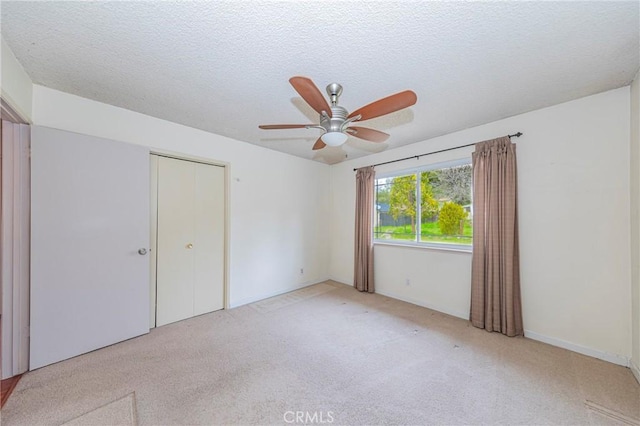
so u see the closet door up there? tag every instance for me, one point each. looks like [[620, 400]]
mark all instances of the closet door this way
[[176, 233], [209, 239], [190, 258]]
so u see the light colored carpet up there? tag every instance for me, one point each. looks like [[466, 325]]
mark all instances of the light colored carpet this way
[[121, 412], [611, 414], [278, 302], [354, 358]]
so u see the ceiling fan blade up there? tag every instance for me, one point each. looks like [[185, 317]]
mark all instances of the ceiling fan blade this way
[[319, 144], [310, 93], [368, 134], [284, 126], [386, 105]]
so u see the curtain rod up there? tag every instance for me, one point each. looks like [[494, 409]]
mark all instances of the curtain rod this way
[[515, 135]]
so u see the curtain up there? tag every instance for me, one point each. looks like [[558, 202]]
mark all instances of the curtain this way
[[495, 270], [363, 274]]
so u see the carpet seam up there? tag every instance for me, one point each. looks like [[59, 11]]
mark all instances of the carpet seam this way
[[612, 414]]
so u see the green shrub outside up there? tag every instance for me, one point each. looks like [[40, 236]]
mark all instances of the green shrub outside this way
[[451, 218]]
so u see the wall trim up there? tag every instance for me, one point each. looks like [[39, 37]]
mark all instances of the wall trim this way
[[635, 370], [463, 315], [341, 280], [248, 300], [15, 250], [8, 113], [594, 353]]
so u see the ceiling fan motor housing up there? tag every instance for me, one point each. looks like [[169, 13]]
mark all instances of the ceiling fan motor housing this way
[[335, 123]]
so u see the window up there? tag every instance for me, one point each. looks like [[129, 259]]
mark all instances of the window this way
[[437, 215]]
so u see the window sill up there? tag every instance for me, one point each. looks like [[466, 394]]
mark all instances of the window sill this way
[[413, 245]]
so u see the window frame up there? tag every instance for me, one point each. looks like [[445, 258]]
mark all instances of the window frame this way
[[418, 171]]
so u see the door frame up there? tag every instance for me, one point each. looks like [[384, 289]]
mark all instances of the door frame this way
[[15, 254], [153, 244]]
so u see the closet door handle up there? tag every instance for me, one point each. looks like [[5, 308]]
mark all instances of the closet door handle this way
[[189, 246], [142, 251]]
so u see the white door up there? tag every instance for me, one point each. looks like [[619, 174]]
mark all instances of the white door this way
[[190, 240], [90, 218], [208, 246]]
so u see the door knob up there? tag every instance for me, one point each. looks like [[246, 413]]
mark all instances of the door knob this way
[[142, 251], [189, 246]]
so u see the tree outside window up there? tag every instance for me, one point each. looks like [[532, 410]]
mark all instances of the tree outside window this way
[[443, 206]]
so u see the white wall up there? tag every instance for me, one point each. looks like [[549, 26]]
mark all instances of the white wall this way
[[574, 226], [15, 84], [635, 224], [278, 203]]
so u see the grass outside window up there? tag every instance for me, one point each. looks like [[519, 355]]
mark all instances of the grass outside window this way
[[440, 196]]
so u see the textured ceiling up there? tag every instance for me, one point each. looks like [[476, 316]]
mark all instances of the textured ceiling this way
[[224, 66]]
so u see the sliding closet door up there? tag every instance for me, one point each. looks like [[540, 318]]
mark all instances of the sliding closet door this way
[[209, 239], [89, 236], [176, 229], [190, 258]]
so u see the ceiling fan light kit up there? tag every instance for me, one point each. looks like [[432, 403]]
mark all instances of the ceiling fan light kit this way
[[334, 138], [335, 120]]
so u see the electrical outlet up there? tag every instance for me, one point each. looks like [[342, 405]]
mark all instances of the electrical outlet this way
[[407, 282], [301, 271]]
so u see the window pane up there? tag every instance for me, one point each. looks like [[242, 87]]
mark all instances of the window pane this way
[[396, 208], [446, 206]]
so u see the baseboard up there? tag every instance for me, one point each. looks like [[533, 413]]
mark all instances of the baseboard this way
[[463, 315], [635, 370], [594, 353], [613, 358], [341, 281], [263, 296]]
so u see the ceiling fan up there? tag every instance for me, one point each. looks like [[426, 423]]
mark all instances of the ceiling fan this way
[[335, 121]]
